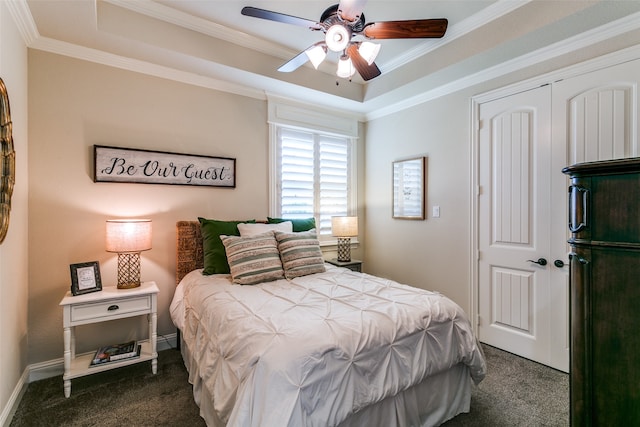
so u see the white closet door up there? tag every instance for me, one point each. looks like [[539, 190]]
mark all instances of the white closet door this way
[[514, 229], [525, 141], [595, 117]]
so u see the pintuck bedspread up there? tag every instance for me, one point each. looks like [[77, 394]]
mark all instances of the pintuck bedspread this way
[[314, 350]]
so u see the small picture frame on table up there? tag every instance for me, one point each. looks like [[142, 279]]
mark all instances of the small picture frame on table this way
[[85, 278]]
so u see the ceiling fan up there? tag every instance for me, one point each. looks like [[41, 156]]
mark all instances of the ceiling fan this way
[[346, 33]]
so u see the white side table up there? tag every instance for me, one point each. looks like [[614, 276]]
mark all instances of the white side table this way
[[109, 304]]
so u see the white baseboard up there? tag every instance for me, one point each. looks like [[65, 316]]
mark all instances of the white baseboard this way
[[52, 368], [12, 404]]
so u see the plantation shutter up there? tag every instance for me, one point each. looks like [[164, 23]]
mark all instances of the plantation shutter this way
[[314, 172]]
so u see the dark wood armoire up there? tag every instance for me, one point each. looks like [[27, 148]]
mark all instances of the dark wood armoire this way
[[604, 221]]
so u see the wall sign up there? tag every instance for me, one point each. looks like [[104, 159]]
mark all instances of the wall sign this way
[[114, 164]]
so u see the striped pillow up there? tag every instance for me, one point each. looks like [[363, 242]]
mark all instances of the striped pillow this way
[[300, 254], [253, 259]]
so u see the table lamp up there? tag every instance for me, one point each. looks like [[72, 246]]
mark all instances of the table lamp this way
[[344, 227], [127, 238]]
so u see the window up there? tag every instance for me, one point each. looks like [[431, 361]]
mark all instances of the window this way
[[313, 176]]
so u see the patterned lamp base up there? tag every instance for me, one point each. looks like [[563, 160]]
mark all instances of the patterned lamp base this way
[[344, 249], [128, 270]]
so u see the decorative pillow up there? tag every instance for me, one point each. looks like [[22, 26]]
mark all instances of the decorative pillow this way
[[248, 230], [215, 260], [253, 259], [300, 254], [298, 224]]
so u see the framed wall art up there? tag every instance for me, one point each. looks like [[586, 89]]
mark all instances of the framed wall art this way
[[85, 278], [409, 188]]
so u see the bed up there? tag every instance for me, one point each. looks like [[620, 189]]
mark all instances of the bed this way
[[332, 348]]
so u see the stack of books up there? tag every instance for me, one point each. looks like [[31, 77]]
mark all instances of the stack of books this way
[[116, 353]]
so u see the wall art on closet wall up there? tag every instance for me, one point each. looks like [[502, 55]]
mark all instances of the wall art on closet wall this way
[[115, 164], [409, 188]]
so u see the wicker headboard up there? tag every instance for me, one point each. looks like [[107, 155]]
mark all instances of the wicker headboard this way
[[189, 252]]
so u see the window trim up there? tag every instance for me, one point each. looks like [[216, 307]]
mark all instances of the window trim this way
[[285, 114]]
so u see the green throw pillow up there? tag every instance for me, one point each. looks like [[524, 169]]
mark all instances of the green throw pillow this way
[[215, 257], [298, 224]]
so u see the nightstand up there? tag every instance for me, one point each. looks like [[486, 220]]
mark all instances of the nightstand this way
[[109, 304], [354, 264]]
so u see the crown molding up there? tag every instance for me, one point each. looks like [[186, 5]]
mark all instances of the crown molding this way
[[23, 19], [475, 21], [143, 67], [173, 16], [580, 41]]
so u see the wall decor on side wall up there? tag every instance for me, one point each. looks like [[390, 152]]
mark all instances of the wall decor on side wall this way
[[409, 188], [116, 164], [7, 161]]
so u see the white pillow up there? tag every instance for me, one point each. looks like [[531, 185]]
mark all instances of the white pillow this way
[[248, 230]]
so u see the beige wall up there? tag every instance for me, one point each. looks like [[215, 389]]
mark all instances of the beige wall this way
[[431, 254], [13, 251], [436, 253], [75, 104]]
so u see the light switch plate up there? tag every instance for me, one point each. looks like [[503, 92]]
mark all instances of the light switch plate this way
[[436, 212]]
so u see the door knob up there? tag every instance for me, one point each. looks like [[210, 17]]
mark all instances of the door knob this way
[[540, 261], [558, 263]]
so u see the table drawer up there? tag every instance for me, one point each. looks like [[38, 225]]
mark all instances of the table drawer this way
[[116, 308]]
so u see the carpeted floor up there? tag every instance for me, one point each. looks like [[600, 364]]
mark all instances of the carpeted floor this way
[[516, 392]]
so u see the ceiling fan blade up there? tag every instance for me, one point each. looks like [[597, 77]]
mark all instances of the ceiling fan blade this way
[[280, 17], [350, 10], [299, 60], [367, 72], [294, 63], [412, 29]]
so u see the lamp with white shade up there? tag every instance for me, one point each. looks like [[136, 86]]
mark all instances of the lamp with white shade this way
[[127, 238], [344, 228]]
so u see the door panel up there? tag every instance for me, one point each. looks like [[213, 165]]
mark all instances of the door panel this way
[[514, 223], [596, 114]]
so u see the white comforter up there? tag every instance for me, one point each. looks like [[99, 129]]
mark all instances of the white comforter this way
[[313, 350]]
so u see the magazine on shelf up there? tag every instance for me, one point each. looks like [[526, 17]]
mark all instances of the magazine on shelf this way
[[115, 353]]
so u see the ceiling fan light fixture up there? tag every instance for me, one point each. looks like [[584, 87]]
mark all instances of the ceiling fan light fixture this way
[[345, 67], [337, 38], [369, 51], [316, 55]]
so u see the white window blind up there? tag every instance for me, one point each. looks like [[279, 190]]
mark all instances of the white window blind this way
[[313, 177]]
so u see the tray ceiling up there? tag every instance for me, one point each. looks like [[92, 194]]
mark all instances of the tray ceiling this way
[[210, 43]]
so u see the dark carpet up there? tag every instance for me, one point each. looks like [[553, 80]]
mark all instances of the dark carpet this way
[[516, 392]]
